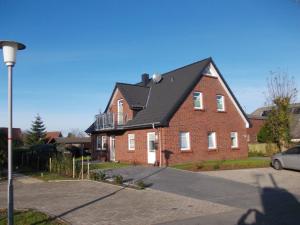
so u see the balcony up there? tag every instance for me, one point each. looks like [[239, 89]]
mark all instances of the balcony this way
[[110, 121]]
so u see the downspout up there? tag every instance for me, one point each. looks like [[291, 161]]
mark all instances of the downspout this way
[[159, 139], [160, 148]]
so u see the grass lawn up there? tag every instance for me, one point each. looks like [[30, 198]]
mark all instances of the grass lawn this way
[[29, 217], [108, 165], [224, 164]]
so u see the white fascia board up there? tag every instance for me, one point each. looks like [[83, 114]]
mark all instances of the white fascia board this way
[[216, 74]]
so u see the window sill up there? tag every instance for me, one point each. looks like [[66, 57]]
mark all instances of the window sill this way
[[221, 111], [186, 150], [131, 151], [235, 148], [212, 149], [196, 109]]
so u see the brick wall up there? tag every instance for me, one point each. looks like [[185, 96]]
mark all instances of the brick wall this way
[[257, 124], [200, 122], [197, 122]]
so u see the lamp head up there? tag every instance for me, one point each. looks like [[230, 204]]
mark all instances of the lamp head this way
[[9, 51]]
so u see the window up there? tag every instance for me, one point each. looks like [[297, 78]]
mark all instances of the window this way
[[101, 143], [104, 142], [212, 142], [220, 103], [131, 142], [198, 103], [234, 139], [292, 151], [184, 140]]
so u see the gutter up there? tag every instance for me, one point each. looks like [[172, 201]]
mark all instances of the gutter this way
[[143, 124]]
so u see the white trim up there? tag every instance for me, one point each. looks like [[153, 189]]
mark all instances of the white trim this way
[[187, 136], [214, 140], [216, 74], [236, 136], [120, 117], [151, 153], [201, 100], [98, 139], [104, 141], [130, 137], [223, 103]]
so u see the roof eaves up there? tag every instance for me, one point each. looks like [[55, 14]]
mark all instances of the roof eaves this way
[[230, 91], [170, 114]]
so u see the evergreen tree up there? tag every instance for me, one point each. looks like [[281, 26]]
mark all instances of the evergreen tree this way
[[37, 133]]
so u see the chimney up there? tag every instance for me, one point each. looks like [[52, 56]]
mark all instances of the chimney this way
[[145, 79]]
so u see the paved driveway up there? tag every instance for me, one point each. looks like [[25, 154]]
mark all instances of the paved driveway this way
[[267, 193], [89, 203], [259, 196]]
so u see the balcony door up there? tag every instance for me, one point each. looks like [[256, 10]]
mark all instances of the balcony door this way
[[120, 112]]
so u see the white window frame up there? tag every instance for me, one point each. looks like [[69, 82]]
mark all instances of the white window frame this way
[[120, 115], [187, 136], [235, 134], [104, 141], [131, 137], [200, 99], [214, 140], [223, 103]]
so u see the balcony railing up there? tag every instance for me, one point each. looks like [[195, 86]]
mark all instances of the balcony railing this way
[[107, 121]]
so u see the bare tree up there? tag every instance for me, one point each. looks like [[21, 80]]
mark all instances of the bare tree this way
[[281, 92], [76, 133], [281, 87]]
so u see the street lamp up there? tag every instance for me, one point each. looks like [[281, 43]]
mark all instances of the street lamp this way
[[9, 54]]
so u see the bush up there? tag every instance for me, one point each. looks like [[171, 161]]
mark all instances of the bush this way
[[140, 184], [98, 175], [118, 179]]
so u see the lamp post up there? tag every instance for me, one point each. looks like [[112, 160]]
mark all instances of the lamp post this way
[[9, 54]]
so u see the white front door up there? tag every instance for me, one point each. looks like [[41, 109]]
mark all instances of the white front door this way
[[112, 152], [151, 147]]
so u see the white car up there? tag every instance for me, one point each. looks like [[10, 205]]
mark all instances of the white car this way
[[289, 159]]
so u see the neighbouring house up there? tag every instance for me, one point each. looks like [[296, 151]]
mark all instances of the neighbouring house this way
[[51, 136], [294, 110], [257, 123], [187, 114], [16, 133], [79, 142]]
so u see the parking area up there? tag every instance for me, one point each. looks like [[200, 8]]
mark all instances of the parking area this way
[[256, 196]]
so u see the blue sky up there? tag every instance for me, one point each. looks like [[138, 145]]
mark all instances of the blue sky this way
[[77, 50]]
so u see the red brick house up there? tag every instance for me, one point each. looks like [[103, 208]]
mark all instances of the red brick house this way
[[260, 115], [188, 114]]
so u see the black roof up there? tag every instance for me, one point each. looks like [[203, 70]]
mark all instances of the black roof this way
[[159, 101]]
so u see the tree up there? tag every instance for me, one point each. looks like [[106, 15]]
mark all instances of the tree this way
[[76, 133], [37, 133], [281, 93]]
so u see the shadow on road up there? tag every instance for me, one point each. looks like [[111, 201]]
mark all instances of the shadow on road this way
[[79, 207], [278, 207]]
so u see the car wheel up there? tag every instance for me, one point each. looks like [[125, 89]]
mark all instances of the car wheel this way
[[277, 165]]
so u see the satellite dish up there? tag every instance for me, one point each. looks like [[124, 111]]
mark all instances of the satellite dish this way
[[156, 78]]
